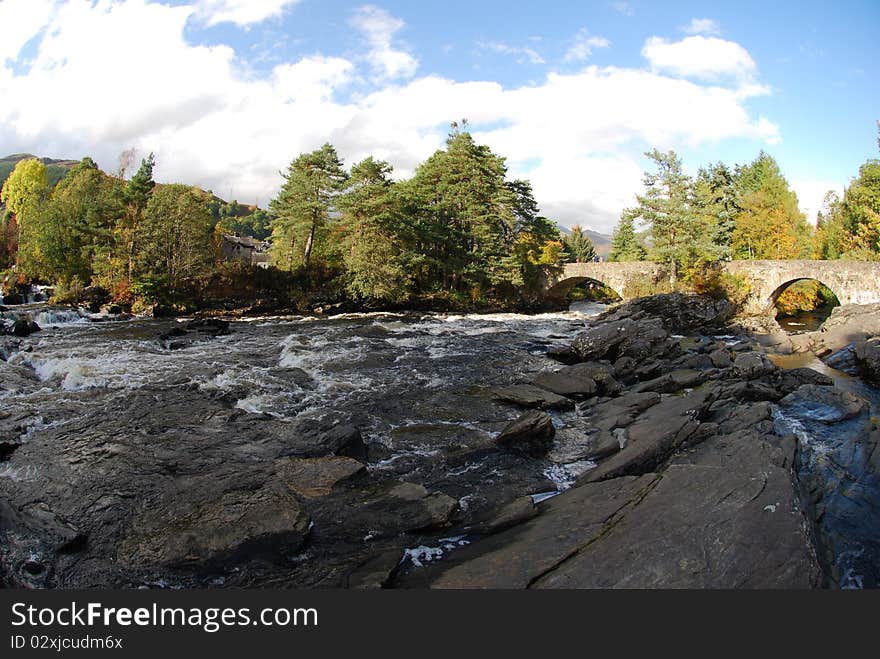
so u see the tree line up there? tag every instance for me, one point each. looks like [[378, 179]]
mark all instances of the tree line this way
[[458, 231], [745, 212]]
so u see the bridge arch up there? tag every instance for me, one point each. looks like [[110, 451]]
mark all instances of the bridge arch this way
[[563, 288]]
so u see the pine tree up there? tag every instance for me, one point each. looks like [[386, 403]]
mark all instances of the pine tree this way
[[578, 246], [304, 205], [625, 244], [135, 196]]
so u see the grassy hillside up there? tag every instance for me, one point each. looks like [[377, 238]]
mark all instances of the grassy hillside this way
[[55, 169]]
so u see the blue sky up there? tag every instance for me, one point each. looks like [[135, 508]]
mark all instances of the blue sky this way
[[227, 92]]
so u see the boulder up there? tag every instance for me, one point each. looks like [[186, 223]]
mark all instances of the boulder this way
[[867, 354], [825, 404], [237, 526], [751, 365], [531, 434], [566, 384], [24, 327], [316, 477], [529, 395], [721, 358]]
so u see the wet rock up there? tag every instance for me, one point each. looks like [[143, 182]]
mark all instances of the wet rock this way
[[24, 327], [682, 312], [8, 347], [516, 512], [791, 379], [566, 384], [825, 404], [753, 365], [867, 354], [238, 525], [408, 507], [564, 355], [566, 523], [655, 434], [601, 373], [378, 571], [211, 326], [307, 440], [671, 382], [606, 444], [621, 412], [722, 515], [316, 477], [721, 358], [532, 434], [529, 395]]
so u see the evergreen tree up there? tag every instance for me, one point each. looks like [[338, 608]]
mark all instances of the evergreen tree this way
[[134, 196], [625, 244], [374, 238], [304, 204], [578, 246]]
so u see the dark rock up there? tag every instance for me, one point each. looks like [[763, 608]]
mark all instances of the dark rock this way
[[564, 355], [407, 507], [378, 571], [516, 512], [566, 384], [621, 412], [532, 434], [307, 440], [24, 327], [671, 382], [528, 395], [606, 444], [721, 358], [236, 526], [753, 365], [825, 404], [316, 477], [655, 435], [867, 354], [212, 326]]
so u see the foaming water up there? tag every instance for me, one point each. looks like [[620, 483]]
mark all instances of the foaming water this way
[[390, 373]]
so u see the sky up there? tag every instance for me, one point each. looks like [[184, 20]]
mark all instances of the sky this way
[[227, 92]]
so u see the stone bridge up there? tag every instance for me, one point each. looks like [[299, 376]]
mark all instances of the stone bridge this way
[[853, 282]]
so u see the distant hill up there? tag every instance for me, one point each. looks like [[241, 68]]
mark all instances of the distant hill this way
[[55, 169], [601, 241]]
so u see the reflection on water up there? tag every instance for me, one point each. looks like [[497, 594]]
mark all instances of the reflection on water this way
[[805, 321]]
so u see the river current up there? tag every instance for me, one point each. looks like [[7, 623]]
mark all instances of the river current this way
[[407, 380]]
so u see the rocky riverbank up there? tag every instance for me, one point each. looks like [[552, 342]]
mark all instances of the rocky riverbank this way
[[657, 432]]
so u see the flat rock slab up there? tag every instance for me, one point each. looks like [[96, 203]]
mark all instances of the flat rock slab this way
[[566, 523], [723, 516], [565, 384], [316, 477], [529, 395], [239, 525]]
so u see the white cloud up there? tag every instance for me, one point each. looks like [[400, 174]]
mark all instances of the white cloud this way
[[702, 26], [578, 137], [522, 54], [623, 8], [240, 12], [379, 27], [583, 46], [706, 58], [811, 195], [21, 21]]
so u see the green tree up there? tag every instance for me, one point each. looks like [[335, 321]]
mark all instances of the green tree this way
[[374, 237], [578, 246], [24, 192], [716, 208], [304, 205], [625, 243], [860, 214], [666, 210], [770, 224], [75, 228], [135, 197], [174, 237]]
